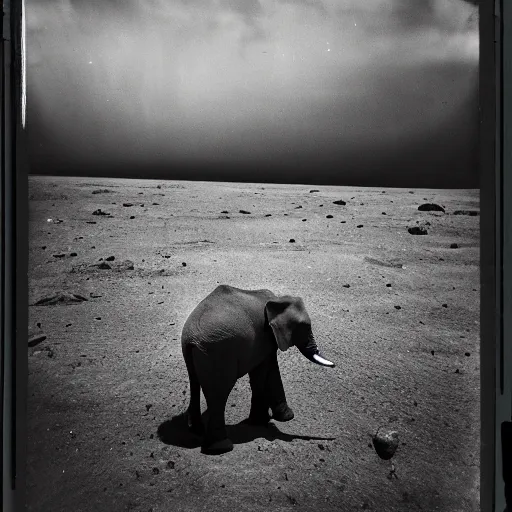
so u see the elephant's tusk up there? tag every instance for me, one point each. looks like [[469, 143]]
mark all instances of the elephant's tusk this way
[[317, 358]]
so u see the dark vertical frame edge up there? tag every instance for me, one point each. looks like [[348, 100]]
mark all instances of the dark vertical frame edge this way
[[488, 276], [20, 169], [14, 261]]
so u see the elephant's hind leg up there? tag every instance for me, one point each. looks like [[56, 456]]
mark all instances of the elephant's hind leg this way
[[217, 379], [194, 421]]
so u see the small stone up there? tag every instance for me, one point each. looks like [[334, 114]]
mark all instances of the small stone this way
[[127, 205], [445, 305], [471, 213], [314, 190], [103, 266], [73, 254], [148, 406], [454, 246], [132, 216], [184, 264], [98, 318], [328, 216], [245, 212], [304, 220], [398, 307], [170, 464], [430, 207], [321, 446], [417, 230], [360, 226], [467, 354], [111, 258], [385, 443], [100, 212], [340, 202], [384, 213], [457, 371], [156, 471], [292, 240], [389, 285], [268, 215], [432, 352]]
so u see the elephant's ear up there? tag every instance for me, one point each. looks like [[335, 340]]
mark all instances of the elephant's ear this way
[[280, 322]]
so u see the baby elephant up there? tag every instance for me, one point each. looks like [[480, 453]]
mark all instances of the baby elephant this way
[[233, 332]]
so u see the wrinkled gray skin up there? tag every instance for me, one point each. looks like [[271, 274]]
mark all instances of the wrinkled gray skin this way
[[234, 332]]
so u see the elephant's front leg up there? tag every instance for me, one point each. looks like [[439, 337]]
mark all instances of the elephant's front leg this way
[[274, 390], [259, 401]]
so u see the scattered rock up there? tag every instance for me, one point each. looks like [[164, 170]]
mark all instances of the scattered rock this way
[[34, 338], [184, 264], [245, 212], [99, 211], [60, 298], [454, 246], [417, 230], [340, 202], [471, 213], [430, 207], [385, 443], [102, 266], [298, 207], [126, 265]]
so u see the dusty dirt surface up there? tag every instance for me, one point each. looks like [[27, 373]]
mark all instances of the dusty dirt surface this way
[[398, 313]]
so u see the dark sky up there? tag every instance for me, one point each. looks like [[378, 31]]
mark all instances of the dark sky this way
[[368, 92]]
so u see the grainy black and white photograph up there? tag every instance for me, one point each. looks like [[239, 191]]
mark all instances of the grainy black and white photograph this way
[[254, 255]]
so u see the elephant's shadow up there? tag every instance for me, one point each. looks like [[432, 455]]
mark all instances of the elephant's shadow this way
[[175, 432]]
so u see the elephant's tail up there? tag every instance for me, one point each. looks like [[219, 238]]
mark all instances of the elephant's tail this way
[[195, 386]]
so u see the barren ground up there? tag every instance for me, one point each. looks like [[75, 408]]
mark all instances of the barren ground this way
[[109, 378]]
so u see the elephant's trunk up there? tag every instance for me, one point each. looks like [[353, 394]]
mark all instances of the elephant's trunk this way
[[311, 352]]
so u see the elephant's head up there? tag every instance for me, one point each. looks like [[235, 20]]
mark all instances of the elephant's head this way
[[291, 325]]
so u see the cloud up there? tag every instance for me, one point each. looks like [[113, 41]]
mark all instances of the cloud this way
[[231, 78]]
